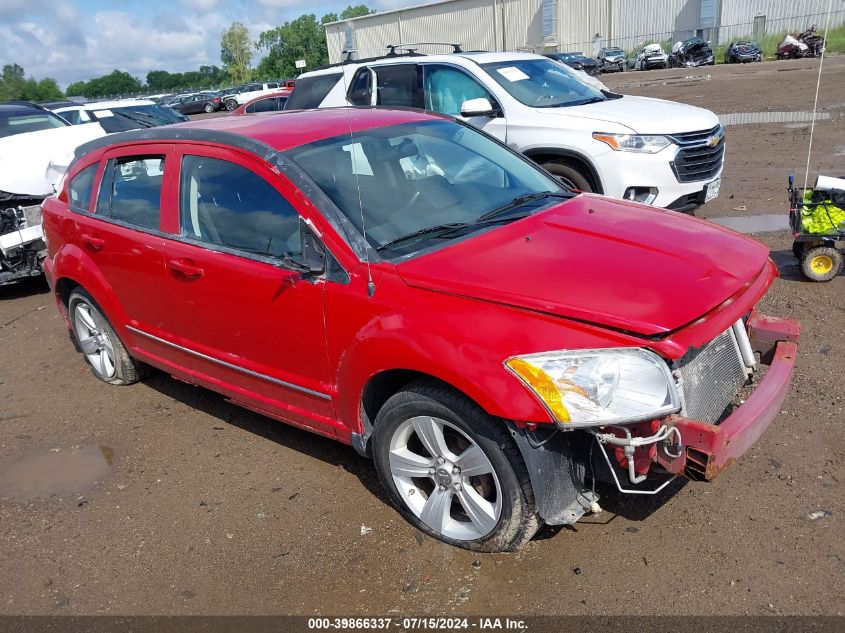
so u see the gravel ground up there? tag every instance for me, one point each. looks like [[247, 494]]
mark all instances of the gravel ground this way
[[167, 499]]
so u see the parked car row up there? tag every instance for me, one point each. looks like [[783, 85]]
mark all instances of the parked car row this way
[[688, 53]]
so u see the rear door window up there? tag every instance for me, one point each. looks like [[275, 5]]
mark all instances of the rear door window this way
[[131, 190], [309, 92], [224, 203], [396, 85]]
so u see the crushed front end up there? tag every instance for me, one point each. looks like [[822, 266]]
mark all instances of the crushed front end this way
[[731, 390], [22, 247]]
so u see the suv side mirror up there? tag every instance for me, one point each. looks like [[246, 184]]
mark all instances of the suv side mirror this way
[[478, 107]]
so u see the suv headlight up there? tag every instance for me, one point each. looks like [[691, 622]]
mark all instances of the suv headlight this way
[[599, 386], [641, 143]]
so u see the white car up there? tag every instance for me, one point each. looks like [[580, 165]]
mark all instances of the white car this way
[[649, 57], [36, 147], [653, 151], [120, 115], [248, 92]]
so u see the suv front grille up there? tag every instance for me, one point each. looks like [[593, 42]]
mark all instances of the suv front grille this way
[[700, 156], [711, 377]]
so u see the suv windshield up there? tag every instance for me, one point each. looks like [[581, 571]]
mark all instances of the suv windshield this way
[[417, 184], [542, 83], [34, 120]]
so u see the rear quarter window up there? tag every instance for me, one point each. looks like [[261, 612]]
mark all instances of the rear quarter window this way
[[309, 92], [80, 188]]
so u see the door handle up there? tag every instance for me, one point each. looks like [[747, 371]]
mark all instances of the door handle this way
[[92, 241], [186, 268]]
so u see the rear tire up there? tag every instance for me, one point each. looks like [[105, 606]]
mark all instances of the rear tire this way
[[209, 108], [105, 354], [453, 471], [821, 263], [570, 175]]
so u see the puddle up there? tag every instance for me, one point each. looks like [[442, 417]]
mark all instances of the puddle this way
[[751, 118], [58, 473], [763, 223]]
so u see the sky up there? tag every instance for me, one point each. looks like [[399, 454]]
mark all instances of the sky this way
[[73, 40]]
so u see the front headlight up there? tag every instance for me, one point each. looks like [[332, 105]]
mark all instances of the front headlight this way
[[600, 386], [640, 143]]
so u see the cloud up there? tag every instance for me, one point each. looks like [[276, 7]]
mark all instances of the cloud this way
[[75, 40]]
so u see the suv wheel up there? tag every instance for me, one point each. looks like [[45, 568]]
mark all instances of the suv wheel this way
[[103, 351], [569, 175], [231, 104], [453, 471]]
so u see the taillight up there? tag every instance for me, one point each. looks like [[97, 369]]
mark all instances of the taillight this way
[[216, 98]]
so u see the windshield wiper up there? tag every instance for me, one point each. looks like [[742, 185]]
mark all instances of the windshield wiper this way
[[438, 230], [519, 201]]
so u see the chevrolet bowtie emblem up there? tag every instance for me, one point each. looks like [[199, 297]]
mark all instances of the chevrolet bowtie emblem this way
[[713, 141]]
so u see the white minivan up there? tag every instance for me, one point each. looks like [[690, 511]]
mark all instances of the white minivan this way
[[658, 152]]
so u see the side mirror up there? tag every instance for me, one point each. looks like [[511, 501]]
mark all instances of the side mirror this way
[[478, 107]]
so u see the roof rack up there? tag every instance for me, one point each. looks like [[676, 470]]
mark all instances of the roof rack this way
[[410, 46]]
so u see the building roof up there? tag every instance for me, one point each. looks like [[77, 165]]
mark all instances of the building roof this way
[[399, 10]]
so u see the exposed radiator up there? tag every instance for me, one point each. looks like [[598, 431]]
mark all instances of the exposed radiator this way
[[710, 377]]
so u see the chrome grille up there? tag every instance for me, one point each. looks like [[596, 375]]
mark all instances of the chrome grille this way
[[710, 377], [696, 160]]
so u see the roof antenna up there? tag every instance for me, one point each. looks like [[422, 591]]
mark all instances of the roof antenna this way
[[371, 286], [816, 101]]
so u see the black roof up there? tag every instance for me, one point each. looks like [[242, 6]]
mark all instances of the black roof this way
[[19, 106]]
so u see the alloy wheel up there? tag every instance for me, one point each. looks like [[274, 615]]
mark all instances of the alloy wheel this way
[[93, 340], [445, 478]]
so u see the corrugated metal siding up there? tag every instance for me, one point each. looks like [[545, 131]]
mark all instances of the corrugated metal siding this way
[[478, 24], [466, 22]]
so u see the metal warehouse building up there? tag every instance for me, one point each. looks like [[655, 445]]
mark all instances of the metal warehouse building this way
[[585, 25]]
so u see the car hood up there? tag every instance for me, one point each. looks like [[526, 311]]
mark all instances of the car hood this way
[[612, 263], [32, 163], [642, 115]]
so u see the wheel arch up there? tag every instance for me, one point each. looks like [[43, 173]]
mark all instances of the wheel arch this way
[[541, 155]]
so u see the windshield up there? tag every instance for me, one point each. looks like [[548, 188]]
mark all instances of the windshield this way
[[28, 121], [414, 177], [613, 51], [542, 83]]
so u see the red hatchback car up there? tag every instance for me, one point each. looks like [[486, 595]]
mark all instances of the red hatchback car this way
[[406, 284]]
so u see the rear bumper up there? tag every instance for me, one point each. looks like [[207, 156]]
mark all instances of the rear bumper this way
[[708, 449]]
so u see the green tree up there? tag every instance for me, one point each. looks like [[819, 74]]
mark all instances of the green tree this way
[[13, 86], [236, 52], [303, 38], [118, 82], [355, 12], [76, 89]]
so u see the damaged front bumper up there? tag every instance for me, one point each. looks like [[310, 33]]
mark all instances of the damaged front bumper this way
[[651, 454], [708, 449]]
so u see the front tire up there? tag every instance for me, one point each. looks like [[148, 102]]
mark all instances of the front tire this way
[[231, 104], [453, 471], [95, 338], [571, 176]]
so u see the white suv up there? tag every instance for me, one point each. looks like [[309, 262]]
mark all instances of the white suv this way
[[649, 150]]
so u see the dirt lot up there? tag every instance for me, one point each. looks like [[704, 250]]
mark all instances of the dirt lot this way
[[202, 507]]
